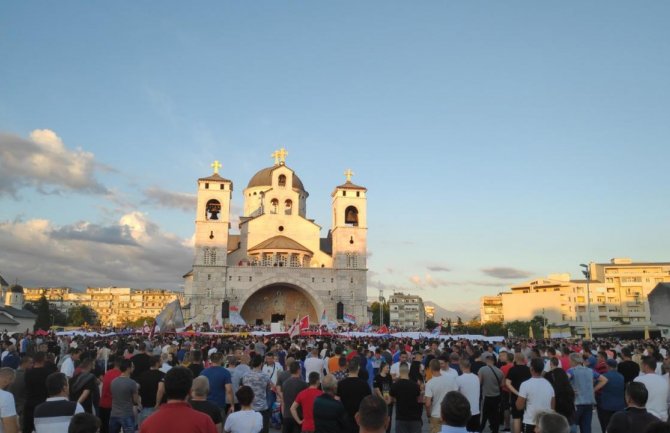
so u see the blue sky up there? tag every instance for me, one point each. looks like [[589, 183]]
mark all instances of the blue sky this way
[[498, 140]]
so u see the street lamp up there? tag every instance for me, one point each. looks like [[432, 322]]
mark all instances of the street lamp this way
[[381, 307], [587, 274]]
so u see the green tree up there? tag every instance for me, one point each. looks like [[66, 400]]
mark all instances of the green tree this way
[[43, 320], [430, 324], [77, 316], [449, 328], [58, 318], [495, 328], [375, 307], [138, 323]]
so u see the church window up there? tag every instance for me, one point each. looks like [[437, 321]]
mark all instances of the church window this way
[[212, 256], [332, 280], [209, 277], [250, 279], [230, 278], [209, 293], [351, 216], [282, 180], [223, 186], [288, 204], [295, 261], [267, 259], [274, 205], [352, 260], [239, 278], [358, 193], [206, 186], [280, 228], [306, 261], [212, 210], [344, 193]]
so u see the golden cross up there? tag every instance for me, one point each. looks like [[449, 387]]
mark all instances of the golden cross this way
[[283, 153], [216, 165], [348, 174], [275, 155]]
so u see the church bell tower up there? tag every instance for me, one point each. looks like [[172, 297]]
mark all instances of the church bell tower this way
[[349, 228], [212, 221]]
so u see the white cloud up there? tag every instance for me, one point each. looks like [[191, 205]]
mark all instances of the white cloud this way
[[45, 163], [506, 273], [427, 282], [133, 252], [170, 199]]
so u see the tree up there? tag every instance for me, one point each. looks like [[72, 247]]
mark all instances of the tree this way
[[43, 320], [430, 324], [449, 329], [58, 318], [138, 323], [77, 316], [376, 315]]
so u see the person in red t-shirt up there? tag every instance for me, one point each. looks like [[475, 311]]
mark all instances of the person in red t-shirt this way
[[106, 395], [305, 399], [177, 415]]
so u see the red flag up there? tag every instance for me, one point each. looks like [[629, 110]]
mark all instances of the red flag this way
[[383, 329], [304, 323]]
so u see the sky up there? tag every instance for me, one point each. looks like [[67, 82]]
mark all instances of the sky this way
[[499, 141]]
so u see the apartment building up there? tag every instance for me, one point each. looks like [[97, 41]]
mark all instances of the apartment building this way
[[407, 311]]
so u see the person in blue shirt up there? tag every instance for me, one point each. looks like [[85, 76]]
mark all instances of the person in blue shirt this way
[[611, 397], [220, 384]]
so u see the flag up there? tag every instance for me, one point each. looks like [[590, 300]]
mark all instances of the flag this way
[[367, 327], [436, 330], [294, 330], [324, 318], [152, 331], [349, 318], [145, 328], [171, 317], [383, 329], [304, 323], [235, 317]]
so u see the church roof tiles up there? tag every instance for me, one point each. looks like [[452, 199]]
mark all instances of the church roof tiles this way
[[280, 243]]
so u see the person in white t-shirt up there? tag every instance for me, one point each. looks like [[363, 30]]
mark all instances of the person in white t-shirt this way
[[536, 394], [246, 420], [314, 363], [469, 386], [8, 420], [436, 388], [657, 385], [395, 368]]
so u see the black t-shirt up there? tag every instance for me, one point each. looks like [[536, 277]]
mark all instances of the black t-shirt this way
[[351, 391], [415, 371], [142, 362], [148, 382], [208, 408], [36, 388], [517, 375], [383, 383], [196, 369], [406, 393], [629, 370], [476, 365]]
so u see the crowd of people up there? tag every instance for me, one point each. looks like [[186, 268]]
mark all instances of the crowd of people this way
[[330, 384]]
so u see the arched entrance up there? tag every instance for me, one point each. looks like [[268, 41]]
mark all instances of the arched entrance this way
[[278, 302]]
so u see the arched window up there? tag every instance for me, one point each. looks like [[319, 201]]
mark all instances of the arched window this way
[[212, 210], [274, 204], [282, 180], [351, 216], [288, 205]]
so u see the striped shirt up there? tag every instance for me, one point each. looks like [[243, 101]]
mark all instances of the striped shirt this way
[[54, 415]]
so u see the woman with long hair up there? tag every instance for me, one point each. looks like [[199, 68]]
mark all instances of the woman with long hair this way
[[564, 394], [382, 388]]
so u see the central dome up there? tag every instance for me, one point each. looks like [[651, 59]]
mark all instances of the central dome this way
[[264, 178]]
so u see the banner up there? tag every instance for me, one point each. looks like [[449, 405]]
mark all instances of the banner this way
[[349, 318], [324, 318], [171, 317]]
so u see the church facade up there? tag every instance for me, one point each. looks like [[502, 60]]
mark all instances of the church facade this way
[[277, 266]]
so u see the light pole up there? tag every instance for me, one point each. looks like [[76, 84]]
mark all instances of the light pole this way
[[587, 274], [381, 307]]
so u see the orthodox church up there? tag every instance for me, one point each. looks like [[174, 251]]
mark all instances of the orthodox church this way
[[13, 317], [277, 266]]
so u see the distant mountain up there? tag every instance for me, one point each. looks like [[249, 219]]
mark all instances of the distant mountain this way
[[448, 314]]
